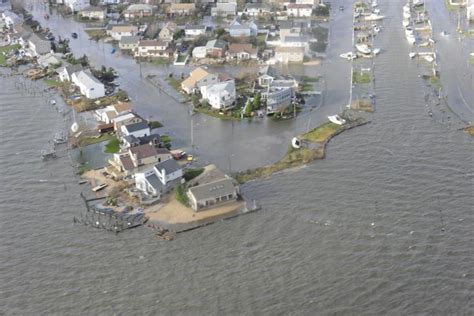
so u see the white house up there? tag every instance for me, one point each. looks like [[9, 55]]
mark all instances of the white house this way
[[48, 59], [152, 48], [289, 54], [214, 193], [238, 28], [38, 46], [224, 9], [220, 95], [256, 9], [139, 129], [470, 10], [65, 72], [93, 13], [194, 30], [138, 10], [300, 10], [77, 5], [129, 42], [11, 18], [197, 78], [116, 31], [110, 112], [88, 84], [200, 52], [159, 179], [277, 98], [242, 52]]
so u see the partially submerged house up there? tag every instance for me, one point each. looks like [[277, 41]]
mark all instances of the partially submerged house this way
[[77, 5], [153, 48], [256, 9], [212, 194], [216, 48], [93, 13], [65, 72], [242, 51], [138, 129], [130, 161], [110, 112], [299, 10], [160, 179], [136, 11], [194, 30], [278, 98], [38, 46], [89, 85], [129, 43], [239, 28], [220, 96], [182, 8], [289, 54], [167, 32], [116, 31], [197, 78]]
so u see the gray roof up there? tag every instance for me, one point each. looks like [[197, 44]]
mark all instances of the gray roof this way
[[216, 44], [137, 126], [73, 68], [131, 139], [153, 180], [296, 39], [257, 6], [213, 189], [42, 46], [129, 40], [195, 27], [169, 165]]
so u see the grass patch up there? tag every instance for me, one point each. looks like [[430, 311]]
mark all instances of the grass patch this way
[[154, 124], [83, 168], [190, 174], [450, 7], [159, 61], [89, 140], [307, 87], [322, 133], [53, 83], [362, 105], [180, 194], [361, 78], [113, 146], [174, 83], [166, 140], [6, 50], [469, 130], [471, 60], [435, 82], [96, 34], [229, 116], [310, 79]]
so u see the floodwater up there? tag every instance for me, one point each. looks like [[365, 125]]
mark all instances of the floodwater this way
[[383, 225]]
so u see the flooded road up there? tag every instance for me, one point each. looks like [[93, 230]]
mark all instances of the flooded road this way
[[383, 225]]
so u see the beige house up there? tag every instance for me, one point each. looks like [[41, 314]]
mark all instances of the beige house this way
[[152, 48], [289, 54], [118, 30], [182, 8], [93, 13], [167, 32], [136, 11], [129, 42], [242, 51], [212, 194], [199, 77]]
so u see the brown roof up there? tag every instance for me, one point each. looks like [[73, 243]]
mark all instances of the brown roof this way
[[143, 151], [195, 75], [124, 28], [162, 151], [152, 43], [126, 162], [237, 48], [182, 6], [299, 6], [122, 107], [289, 50]]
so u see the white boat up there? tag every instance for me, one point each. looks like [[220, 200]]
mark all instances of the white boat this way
[[376, 29], [99, 187], [406, 22], [74, 127], [406, 8], [411, 39], [296, 143], [348, 55], [406, 15], [374, 17], [336, 119], [412, 54], [376, 51], [377, 11], [428, 58], [363, 48], [52, 102]]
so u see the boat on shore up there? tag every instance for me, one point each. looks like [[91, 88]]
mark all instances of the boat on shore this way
[[99, 187], [374, 17], [348, 55], [296, 143], [363, 48], [336, 119]]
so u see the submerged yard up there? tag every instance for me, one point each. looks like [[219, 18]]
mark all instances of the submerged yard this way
[[5, 50]]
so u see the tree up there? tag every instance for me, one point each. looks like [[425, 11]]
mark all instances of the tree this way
[[178, 34], [256, 102], [219, 32], [248, 108], [84, 60]]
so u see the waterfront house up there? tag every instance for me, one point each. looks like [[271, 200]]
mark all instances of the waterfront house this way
[[127, 162], [278, 98], [153, 48], [137, 11], [38, 46], [110, 112], [256, 9], [129, 43], [216, 48], [313, 3], [239, 28], [138, 129], [163, 177], [125, 119], [182, 8], [65, 72], [50, 59], [194, 30], [116, 31], [300, 10], [167, 32], [224, 9], [11, 19], [242, 52], [212, 194], [197, 78], [289, 54], [89, 85], [289, 29], [220, 96], [132, 141], [93, 13], [470, 10], [77, 5], [199, 52]]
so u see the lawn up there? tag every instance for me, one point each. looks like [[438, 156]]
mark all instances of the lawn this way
[[96, 34], [180, 194], [322, 133], [113, 146], [89, 140], [190, 174], [52, 83], [174, 83], [361, 77], [7, 50], [160, 61], [234, 115]]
